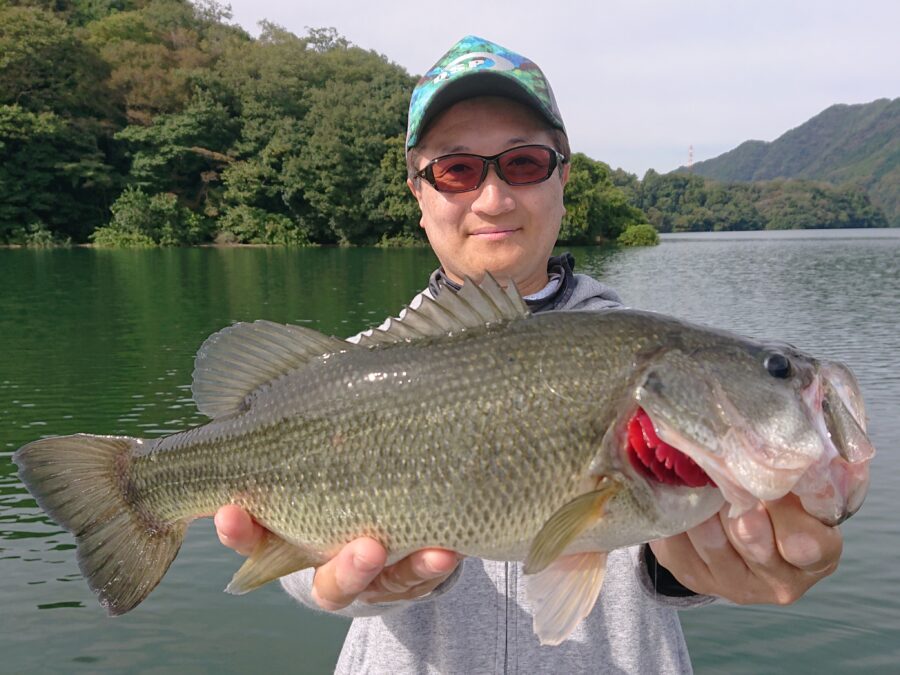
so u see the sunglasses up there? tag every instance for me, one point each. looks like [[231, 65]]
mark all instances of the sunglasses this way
[[463, 172]]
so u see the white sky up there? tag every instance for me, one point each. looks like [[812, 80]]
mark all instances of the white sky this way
[[639, 81]]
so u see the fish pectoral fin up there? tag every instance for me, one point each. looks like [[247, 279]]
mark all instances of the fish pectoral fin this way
[[272, 558], [564, 593], [565, 525]]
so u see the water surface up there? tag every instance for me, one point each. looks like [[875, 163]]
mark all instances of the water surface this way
[[103, 342]]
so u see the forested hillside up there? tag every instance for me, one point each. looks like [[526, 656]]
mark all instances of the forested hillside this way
[[178, 127], [688, 203], [844, 144], [159, 122]]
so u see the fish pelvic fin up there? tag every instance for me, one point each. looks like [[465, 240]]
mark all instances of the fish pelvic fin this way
[[564, 593], [80, 482], [564, 526], [234, 363], [272, 558]]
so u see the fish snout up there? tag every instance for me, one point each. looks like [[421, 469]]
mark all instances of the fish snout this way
[[844, 420], [833, 489]]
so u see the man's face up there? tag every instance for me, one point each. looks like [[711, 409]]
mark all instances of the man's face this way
[[506, 230]]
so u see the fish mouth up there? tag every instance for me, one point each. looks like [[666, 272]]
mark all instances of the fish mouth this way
[[835, 485], [830, 476], [658, 461]]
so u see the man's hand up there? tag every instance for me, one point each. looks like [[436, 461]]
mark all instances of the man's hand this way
[[357, 571], [771, 554]]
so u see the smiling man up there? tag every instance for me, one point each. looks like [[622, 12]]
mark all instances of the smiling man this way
[[474, 227], [488, 161]]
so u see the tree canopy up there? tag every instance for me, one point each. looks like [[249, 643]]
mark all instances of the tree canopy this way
[[158, 122]]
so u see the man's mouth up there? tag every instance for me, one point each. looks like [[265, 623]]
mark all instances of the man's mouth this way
[[493, 233]]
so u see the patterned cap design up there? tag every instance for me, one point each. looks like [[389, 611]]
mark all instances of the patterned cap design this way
[[478, 67]]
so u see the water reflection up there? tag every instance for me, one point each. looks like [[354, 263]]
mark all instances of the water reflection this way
[[103, 342]]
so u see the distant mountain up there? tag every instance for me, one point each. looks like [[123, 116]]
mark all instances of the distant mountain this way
[[857, 144]]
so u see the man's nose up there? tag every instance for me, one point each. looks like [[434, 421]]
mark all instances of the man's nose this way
[[495, 197]]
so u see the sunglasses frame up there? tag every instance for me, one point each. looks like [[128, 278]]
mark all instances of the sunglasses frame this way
[[427, 172]]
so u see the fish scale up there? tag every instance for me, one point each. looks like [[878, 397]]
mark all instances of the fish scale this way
[[393, 438]]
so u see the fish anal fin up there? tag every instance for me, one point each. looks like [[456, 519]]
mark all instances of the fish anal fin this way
[[564, 593], [272, 558], [564, 526]]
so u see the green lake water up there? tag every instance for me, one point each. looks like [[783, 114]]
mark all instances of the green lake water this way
[[103, 342]]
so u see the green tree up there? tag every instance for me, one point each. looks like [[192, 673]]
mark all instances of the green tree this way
[[641, 234], [393, 206], [317, 115], [184, 152], [686, 203], [139, 219], [157, 52], [347, 126], [52, 173], [44, 66], [57, 166], [596, 209]]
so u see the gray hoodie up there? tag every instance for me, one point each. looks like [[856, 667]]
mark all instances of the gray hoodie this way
[[479, 620]]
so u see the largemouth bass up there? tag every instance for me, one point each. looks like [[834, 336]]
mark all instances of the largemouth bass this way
[[469, 425]]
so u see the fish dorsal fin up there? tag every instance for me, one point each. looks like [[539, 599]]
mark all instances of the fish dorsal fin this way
[[233, 363], [452, 312]]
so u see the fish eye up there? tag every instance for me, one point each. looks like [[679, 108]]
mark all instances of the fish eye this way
[[778, 365]]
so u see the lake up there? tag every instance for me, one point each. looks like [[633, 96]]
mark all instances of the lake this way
[[103, 342]]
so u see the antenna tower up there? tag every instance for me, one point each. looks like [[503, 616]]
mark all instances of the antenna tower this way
[[691, 158]]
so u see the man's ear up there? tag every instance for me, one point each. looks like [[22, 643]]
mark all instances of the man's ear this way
[[564, 173], [415, 187]]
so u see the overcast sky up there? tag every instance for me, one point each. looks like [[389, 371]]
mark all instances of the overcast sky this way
[[640, 81]]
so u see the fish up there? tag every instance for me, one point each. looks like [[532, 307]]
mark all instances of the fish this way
[[467, 424]]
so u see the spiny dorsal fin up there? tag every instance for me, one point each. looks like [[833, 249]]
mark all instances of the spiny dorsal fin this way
[[471, 307], [237, 360]]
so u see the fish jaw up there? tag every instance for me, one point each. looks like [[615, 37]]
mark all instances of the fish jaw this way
[[708, 461], [647, 507], [835, 486], [692, 412], [828, 470]]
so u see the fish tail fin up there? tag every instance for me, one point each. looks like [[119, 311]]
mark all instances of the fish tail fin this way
[[81, 482]]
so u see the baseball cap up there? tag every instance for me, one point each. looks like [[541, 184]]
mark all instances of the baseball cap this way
[[478, 67]]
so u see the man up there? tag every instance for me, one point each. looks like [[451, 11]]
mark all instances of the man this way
[[487, 154]]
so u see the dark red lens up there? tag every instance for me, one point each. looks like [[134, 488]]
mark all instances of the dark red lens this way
[[457, 173], [521, 166]]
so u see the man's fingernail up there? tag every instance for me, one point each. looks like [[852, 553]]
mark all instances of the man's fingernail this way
[[364, 566], [428, 563], [802, 550]]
